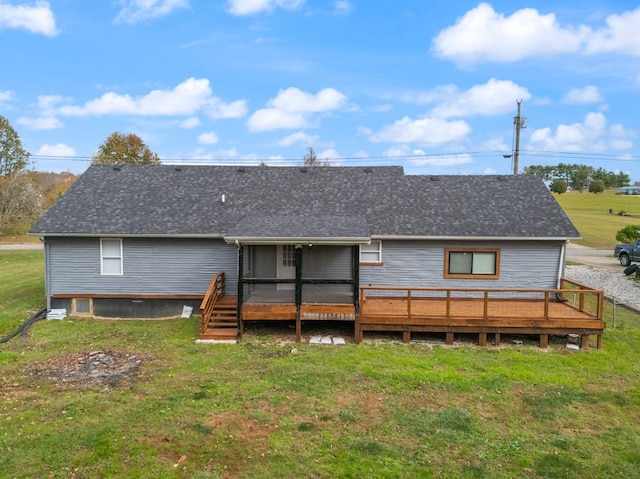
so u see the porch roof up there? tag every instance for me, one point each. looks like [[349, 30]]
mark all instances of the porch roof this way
[[289, 229]]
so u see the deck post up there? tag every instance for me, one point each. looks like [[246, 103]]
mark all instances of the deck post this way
[[240, 289], [584, 341], [482, 339], [496, 340], [449, 338], [546, 306], [355, 266], [544, 340], [298, 259], [486, 305]]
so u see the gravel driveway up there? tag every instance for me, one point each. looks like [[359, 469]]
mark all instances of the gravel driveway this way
[[600, 270]]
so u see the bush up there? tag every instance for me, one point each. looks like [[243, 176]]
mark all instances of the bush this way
[[628, 234], [596, 186], [559, 186]]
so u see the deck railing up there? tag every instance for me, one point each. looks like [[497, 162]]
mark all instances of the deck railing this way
[[471, 303], [214, 293]]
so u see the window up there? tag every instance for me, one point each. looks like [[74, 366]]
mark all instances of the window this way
[[111, 257], [474, 264], [371, 253], [82, 306], [288, 255]]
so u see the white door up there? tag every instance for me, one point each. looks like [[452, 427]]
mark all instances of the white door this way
[[286, 269]]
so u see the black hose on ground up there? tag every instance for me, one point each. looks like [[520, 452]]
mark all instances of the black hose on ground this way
[[24, 327]]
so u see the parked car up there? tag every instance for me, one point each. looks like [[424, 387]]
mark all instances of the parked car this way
[[626, 253]]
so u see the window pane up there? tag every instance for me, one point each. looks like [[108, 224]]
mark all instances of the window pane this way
[[366, 257], [111, 248], [370, 253], [484, 263], [460, 263], [111, 266], [83, 306]]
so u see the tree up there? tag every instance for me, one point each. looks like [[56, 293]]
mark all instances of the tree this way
[[311, 159], [559, 186], [121, 149], [596, 186], [628, 234], [20, 203], [13, 158]]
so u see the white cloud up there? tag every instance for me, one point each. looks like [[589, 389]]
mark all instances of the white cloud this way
[[343, 7], [190, 123], [496, 97], [443, 160], [291, 108], [217, 109], [6, 96], [621, 35], [59, 150], [41, 123], [189, 97], [582, 96], [209, 138], [134, 11], [250, 7], [299, 137], [37, 18], [426, 132], [590, 135], [483, 34]]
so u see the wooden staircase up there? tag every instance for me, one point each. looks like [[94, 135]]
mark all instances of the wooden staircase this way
[[219, 313]]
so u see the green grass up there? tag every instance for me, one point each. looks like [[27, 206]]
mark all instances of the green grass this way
[[266, 408], [589, 212]]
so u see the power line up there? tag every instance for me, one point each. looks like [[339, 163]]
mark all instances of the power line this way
[[573, 156]]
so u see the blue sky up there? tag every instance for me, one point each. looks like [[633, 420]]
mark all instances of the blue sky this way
[[431, 86]]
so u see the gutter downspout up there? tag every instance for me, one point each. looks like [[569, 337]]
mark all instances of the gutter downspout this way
[[563, 252], [47, 273]]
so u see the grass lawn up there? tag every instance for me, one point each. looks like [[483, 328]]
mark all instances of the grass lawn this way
[[589, 212], [268, 407]]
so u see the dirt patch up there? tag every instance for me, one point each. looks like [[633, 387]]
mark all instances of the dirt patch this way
[[108, 368]]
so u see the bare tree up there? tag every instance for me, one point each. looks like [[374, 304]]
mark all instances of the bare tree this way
[[311, 159]]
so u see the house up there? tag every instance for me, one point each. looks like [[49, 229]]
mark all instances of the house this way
[[315, 244]]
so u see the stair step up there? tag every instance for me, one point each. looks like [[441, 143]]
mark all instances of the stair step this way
[[220, 333], [222, 324]]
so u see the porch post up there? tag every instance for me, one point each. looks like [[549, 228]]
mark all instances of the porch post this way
[[355, 261], [298, 294], [240, 288]]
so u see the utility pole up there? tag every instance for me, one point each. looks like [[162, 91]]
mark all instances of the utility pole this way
[[519, 123]]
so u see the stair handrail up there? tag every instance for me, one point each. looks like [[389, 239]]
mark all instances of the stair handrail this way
[[214, 293]]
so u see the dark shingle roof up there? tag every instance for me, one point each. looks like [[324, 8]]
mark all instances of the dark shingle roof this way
[[288, 202]]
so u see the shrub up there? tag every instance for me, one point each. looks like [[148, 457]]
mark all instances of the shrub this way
[[559, 186], [596, 186], [628, 234]]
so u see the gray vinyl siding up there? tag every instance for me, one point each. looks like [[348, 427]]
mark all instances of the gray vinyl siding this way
[[523, 265], [150, 266]]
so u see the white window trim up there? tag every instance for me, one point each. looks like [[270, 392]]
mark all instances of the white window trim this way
[[373, 243], [103, 257]]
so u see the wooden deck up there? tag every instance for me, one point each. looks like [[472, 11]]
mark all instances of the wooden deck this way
[[572, 309]]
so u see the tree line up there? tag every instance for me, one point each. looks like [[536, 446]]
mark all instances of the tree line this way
[[578, 177]]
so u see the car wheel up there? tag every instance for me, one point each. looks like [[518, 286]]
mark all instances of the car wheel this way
[[624, 260], [631, 269]]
